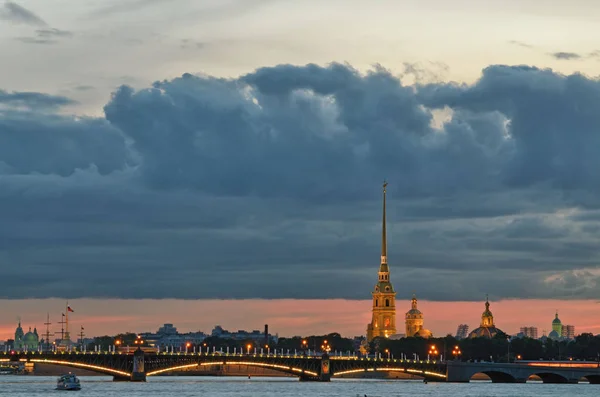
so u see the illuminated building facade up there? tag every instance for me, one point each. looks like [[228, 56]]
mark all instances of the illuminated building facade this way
[[414, 318], [383, 322], [414, 322], [487, 328], [557, 327]]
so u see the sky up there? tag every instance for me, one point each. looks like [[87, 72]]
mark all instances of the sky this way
[[233, 152]]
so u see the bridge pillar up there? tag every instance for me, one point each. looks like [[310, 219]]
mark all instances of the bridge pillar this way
[[325, 372], [138, 374], [457, 373]]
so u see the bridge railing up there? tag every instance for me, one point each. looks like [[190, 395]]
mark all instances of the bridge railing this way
[[3, 356]]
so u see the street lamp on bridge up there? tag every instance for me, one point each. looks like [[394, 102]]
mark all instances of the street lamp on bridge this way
[[432, 352], [248, 346], [456, 352]]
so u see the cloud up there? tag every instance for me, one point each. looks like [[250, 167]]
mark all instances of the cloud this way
[[267, 186], [33, 100], [521, 44], [52, 32], [566, 55], [45, 36], [84, 87], [34, 40], [124, 7], [13, 12], [189, 43]]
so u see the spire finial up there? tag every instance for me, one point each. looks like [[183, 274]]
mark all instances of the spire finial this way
[[383, 231]]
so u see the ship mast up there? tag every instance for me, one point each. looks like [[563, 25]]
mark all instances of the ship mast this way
[[48, 334]]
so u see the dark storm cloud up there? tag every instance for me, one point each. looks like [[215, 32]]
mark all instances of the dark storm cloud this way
[[566, 55], [49, 144], [13, 12], [269, 186]]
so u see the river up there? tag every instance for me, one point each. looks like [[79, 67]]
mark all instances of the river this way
[[33, 386]]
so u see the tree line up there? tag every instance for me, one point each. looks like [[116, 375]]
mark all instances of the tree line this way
[[499, 348]]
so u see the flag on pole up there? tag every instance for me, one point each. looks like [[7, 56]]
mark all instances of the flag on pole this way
[[82, 328], [63, 314], [69, 309]]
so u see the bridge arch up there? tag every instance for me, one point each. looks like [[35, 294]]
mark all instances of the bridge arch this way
[[496, 376], [550, 377], [89, 367], [593, 379], [280, 368]]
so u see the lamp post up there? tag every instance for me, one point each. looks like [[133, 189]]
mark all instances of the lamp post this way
[[325, 348], [508, 347], [248, 348], [432, 352], [187, 346], [304, 345], [456, 352], [387, 352]]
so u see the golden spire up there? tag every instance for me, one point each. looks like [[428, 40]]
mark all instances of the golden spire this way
[[383, 232]]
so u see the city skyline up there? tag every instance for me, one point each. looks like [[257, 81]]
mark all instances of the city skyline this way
[[310, 317], [230, 153]]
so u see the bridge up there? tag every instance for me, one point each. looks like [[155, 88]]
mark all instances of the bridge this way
[[520, 371], [138, 365]]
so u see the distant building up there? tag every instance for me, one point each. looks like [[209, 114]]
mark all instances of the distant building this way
[[462, 331], [487, 328], [167, 329], [557, 327], [254, 335], [168, 337], [26, 341], [568, 331], [529, 332]]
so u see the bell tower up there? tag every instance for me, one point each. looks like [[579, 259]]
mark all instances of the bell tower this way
[[383, 322]]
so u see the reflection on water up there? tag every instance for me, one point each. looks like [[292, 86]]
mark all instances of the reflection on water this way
[[187, 386]]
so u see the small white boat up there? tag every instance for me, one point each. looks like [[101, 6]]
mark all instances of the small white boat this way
[[68, 382]]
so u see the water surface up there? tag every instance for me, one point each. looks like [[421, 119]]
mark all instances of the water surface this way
[[187, 386]]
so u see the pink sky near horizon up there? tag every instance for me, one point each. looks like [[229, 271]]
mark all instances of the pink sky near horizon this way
[[286, 317]]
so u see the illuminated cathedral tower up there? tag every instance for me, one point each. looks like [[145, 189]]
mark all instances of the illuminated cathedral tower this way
[[383, 322], [414, 318]]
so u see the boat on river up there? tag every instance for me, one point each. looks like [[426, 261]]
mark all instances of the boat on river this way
[[68, 382]]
